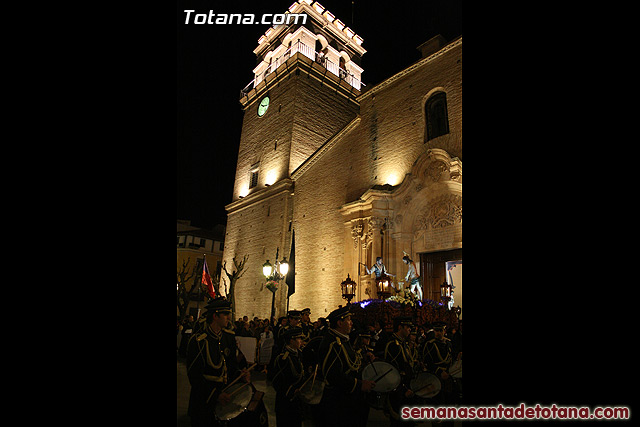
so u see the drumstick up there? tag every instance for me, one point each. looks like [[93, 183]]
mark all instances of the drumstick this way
[[307, 380], [303, 384], [238, 389], [425, 386], [382, 376], [239, 376], [314, 377]]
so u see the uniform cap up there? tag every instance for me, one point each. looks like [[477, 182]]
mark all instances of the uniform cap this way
[[293, 332], [219, 305], [294, 314], [439, 325], [339, 314]]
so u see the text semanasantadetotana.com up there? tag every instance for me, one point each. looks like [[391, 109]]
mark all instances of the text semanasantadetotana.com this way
[[522, 412]]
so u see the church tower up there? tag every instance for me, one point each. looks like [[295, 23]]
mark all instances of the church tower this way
[[306, 80]]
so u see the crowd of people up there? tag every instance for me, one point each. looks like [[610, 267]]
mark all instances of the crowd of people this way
[[316, 367]]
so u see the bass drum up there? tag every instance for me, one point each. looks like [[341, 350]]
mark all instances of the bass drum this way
[[241, 394], [425, 385]]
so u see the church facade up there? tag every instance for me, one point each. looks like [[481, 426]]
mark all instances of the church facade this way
[[357, 172]]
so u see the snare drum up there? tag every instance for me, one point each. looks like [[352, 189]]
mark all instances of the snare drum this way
[[387, 379], [456, 369], [311, 392], [375, 371], [241, 394], [425, 385]]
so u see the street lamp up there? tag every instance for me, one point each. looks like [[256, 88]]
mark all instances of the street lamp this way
[[274, 274], [445, 292], [266, 269], [383, 286], [348, 289]]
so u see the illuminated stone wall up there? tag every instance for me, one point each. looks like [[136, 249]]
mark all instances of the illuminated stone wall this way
[[355, 175]]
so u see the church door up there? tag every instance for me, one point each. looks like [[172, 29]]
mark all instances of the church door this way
[[433, 271]]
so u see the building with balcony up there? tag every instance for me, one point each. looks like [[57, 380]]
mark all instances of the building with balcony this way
[[357, 171]]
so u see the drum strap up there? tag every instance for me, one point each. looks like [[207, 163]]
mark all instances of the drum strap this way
[[222, 364], [401, 345], [212, 391], [446, 359], [214, 378], [210, 362]]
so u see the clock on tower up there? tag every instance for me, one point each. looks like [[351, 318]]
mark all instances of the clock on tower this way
[[262, 107]]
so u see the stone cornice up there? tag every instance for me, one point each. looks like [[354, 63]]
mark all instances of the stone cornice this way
[[320, 20], [410, 69], [284, 185], [298, 61]]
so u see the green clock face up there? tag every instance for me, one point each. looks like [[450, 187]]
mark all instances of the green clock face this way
[[262, 108]]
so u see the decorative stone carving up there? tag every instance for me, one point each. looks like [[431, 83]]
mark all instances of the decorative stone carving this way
[[441, 212], [356, 232], [435, 169], [373, 224], [421, 223], [446, 210]]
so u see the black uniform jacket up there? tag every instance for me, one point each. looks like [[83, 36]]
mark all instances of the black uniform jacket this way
[[436, 355], [398, 353], [289, 373], [340, 363], [211, 364]]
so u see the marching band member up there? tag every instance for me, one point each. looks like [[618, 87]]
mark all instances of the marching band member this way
[[288, 379], [437, 356], [211, 364], [362, 345], [293, 320], [343, 399], [306, 326], [436, 352], [294, 317], [398, 353]]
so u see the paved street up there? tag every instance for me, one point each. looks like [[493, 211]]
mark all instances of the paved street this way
[[259, 380]]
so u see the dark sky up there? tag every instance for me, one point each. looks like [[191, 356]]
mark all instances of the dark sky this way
[[215, 61]]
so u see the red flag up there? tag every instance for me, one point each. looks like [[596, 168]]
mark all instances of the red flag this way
[[206, 280]]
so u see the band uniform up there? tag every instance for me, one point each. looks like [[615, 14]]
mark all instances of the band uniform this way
[[211, 364], [288, 379]]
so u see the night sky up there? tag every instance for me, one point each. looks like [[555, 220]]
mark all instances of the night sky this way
[[215, 61]]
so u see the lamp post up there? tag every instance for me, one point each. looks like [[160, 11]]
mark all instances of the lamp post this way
[[445, 292], [274, 274], [348, 289], [383, 286]]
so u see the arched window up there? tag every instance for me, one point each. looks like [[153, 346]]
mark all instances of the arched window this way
[[435, 111]]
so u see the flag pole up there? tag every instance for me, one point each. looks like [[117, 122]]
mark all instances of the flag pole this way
[[200, 287]]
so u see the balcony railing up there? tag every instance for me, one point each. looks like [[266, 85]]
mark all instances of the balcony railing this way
[[309, 53]]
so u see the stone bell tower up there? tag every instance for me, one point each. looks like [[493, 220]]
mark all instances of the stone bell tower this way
[[304, 88]]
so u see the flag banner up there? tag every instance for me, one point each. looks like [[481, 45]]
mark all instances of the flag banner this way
[[206, 280], [291, 274]]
